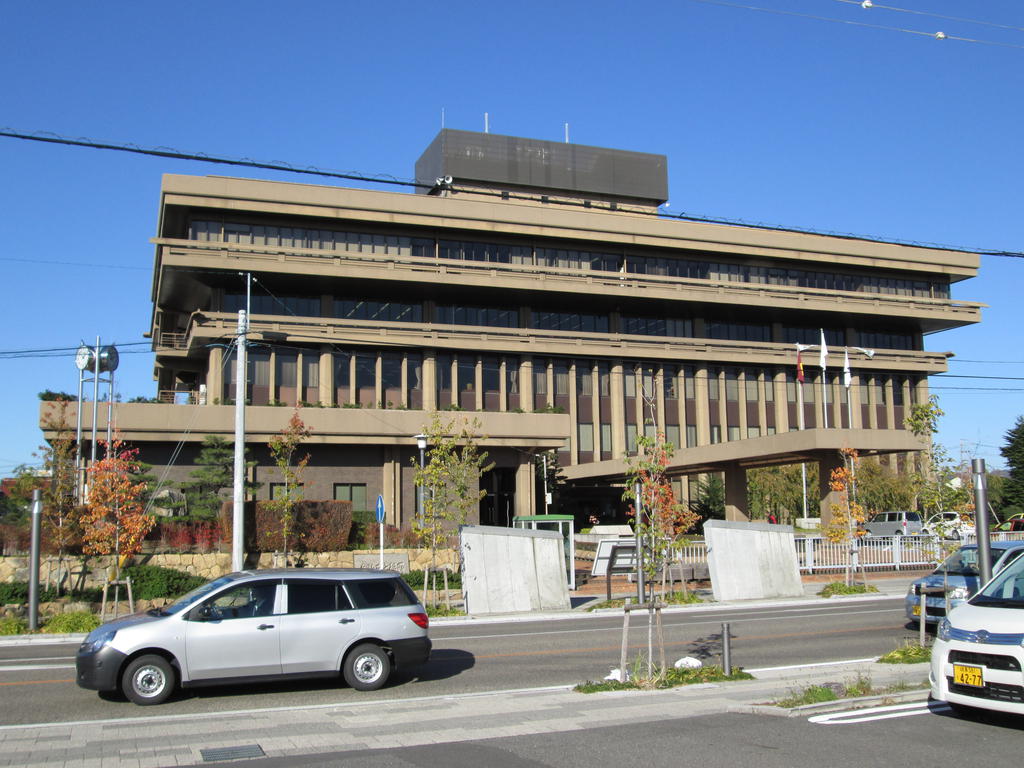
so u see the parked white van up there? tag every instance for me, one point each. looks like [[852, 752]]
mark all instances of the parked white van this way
[[978, 658], [898, 523], [258, 625]]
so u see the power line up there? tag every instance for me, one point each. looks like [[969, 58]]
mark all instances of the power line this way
[[48, 137], [869, 5], [935, 35], [71, 263]]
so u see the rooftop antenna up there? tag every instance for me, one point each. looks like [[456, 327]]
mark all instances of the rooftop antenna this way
[[566, 133], [487, 123], [442, 118]]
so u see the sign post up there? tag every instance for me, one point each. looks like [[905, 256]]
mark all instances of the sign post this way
[[380, 525]]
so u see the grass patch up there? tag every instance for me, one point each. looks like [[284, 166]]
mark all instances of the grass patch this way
[[839, 588], [12, 626], [673, 598], [851, 689], [908, 653], [435, 611], [672, 678], [71, 623]]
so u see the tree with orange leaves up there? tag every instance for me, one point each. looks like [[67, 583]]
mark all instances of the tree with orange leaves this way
[[282, 447], [115, 521], [847, 524]]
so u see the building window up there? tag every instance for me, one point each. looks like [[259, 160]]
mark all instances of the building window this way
[[584, 380], [716, 434], [672, 435], [586, 437], [354, 492], [750, 386], [734, 433], [691, 435], [561, 378], [631, 438], [732, 386]]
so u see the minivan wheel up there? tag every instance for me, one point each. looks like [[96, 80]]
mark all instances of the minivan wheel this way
[[148, 680], [367, 667]]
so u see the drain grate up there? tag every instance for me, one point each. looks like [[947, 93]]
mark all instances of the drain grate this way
[[232, 753]]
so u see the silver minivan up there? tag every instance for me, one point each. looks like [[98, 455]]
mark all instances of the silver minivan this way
[[259, 625], [897, 523]]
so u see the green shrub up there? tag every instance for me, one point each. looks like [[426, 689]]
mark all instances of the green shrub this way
[[71, 623], [908, 653], [415, 579], [12, 626], [17, 592], [151, 582], [839, 588]]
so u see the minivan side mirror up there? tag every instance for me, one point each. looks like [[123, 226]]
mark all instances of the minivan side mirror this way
[[205, 612]]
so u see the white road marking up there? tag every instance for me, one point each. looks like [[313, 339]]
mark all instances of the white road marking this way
[[817, 664], [34, 667], [576, 630], [879, 713]]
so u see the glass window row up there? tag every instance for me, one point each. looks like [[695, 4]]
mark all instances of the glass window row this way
[[205, 230]]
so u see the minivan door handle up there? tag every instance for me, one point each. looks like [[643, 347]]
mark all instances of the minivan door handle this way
[[346, 621], [265, 626]]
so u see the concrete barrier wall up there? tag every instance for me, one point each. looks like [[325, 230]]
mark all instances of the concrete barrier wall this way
[[508, 570], [751, 560]]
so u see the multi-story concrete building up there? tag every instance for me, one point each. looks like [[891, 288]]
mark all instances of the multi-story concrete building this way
[[534, 286]]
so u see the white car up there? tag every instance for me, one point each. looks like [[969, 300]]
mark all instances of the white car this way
[[948, 525], [978, 658]]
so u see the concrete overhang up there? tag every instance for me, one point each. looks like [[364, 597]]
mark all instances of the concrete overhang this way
[[809, 445]]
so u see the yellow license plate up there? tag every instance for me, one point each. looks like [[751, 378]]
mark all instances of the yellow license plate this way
[[964, 675], [917, 609]]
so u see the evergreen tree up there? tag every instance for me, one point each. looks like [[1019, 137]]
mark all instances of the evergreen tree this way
[[211, 482], [1013, 452]]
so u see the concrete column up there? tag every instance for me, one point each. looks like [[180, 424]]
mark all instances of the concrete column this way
[[616, 395], [525, 486], [389, 472], [215, 376], [764, 382], [856, 392], [741, 401], [326, 393], [574, 433], [595, 408], [526, 383], [703, 409], [378, 381], [478, 382], [429, 380], [735, 493], [781, 403], [404, 377], [502, 385], [723, 412], [828, 496], [872, 399], [890, 403]]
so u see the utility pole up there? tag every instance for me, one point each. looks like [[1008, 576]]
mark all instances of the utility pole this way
[[241, 368]]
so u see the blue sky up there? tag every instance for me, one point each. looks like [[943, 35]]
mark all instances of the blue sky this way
[[818, 123]]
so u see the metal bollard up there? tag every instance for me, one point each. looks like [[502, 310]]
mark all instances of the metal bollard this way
[[726, 649]]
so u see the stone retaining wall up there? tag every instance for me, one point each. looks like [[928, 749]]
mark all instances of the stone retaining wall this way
[[211, 565]]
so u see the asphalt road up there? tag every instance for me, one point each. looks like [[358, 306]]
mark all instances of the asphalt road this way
[[911, 736], [37, 681]]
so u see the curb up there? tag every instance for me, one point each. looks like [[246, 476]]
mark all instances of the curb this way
[[805, 710]]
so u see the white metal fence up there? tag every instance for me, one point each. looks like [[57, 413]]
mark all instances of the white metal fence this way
[[877, 553]]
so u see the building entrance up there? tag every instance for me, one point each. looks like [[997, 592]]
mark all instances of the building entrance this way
[[498, 507]]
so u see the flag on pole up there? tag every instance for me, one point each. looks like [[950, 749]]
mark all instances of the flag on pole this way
[[824, 352], [799, 368], [846, 368]]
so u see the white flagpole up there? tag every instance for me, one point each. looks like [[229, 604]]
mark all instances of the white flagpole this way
[[800, 425], [846, 383], [824, 392]]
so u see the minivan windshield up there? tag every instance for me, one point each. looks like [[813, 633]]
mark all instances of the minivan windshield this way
[[186, 600], [964, 562], [1006, 590]]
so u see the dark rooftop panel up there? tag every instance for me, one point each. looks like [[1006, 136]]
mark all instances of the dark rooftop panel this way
[[509, 161]]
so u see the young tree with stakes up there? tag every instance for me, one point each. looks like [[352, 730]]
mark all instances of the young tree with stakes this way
[[449, 484], [282, 449]]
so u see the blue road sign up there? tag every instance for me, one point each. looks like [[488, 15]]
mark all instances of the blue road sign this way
[[380, 509]]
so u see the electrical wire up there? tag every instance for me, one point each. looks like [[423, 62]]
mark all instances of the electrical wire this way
[[46, 136], [935, 35], [873, 6]]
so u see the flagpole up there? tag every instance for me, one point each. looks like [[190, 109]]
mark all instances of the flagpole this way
[[824, 392]]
